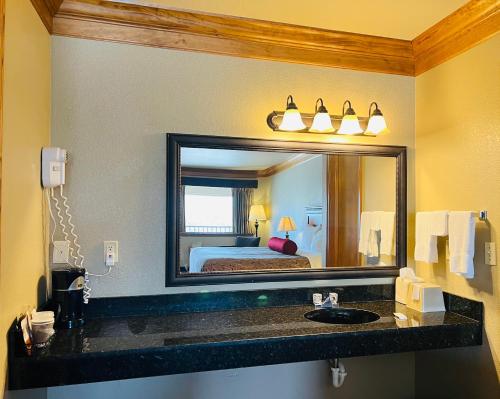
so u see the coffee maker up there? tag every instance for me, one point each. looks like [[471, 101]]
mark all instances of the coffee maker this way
[[67, 296]]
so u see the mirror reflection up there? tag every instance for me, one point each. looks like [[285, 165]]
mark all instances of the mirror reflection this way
[[260, 211]]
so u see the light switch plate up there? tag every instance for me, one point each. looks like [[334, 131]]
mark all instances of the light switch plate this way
[[490, 253], [60, 252]]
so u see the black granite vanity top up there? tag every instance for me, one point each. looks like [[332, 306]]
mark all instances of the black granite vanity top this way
[[160, 343]]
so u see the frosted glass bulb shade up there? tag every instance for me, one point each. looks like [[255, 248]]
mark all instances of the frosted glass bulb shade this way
[[292, 121], [322, 123], [376, 125], [350, 125]]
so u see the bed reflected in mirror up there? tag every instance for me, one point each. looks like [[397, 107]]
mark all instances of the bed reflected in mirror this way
[[255, 211]]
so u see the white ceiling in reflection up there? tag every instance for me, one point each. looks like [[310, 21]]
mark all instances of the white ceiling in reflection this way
[[231, 159]]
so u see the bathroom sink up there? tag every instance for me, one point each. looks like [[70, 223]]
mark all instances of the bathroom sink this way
[[341, 316]]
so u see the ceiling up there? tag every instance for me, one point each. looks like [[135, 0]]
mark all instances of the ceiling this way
[[231, 159], [402, 19]]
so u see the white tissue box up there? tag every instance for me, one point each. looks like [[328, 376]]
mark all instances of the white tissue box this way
[[425, 297], [402, 285]]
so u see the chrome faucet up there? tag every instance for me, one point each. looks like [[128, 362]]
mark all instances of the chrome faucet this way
[[331, 301]]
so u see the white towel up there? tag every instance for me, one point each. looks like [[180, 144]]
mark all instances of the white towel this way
[[429, 225], [371, 223], [366, 223], [386, 227], [462, 230]]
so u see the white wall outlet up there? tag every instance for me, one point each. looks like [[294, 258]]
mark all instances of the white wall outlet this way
[[60, 252], [110, 253], [490, 253]]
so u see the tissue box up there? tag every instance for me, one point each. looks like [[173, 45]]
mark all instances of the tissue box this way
[[402, 285], [425, 297]]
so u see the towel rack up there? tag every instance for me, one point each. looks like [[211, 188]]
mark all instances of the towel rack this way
[[482, 215]]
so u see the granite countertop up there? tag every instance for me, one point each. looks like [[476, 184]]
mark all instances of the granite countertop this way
[[132, 346]]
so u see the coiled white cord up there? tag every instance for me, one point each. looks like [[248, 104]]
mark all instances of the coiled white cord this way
[[74, 238], [80, 257], [63, 227]]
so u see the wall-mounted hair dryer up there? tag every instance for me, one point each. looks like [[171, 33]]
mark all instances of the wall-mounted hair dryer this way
[[53, 166]]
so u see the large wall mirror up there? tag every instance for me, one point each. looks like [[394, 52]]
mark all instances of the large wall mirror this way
[[246, 210]]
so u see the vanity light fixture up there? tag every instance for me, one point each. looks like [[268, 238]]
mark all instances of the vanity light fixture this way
[[376, 123], [350, 122], [322, 122], [292, 121]]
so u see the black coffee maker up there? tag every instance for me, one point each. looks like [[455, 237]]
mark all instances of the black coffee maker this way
[[67, 296]]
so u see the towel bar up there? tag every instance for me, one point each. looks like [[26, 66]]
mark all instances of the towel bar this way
[[482, 215]]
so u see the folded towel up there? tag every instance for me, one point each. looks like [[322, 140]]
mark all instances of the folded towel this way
[[429, 225], [366, 223], [386, 227], [462, 226], [376, 233]]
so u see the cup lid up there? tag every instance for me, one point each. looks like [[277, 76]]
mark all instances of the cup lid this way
[[42, 317]]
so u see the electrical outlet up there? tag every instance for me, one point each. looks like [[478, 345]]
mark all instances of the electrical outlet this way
[[110, 253], [60, 252], [490, 253]]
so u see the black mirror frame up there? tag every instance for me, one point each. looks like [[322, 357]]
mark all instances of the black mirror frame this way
[[176, 141]]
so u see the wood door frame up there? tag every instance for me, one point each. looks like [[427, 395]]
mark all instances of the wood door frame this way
[[335, 211]]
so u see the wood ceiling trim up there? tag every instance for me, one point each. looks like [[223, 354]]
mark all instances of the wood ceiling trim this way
[[289, 163], [46, 9], [471, 24], [242, 37], [188, 171]]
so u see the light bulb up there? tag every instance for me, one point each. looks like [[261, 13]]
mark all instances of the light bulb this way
[[350, 122], [321, 122], [376, 123], [292, 121]]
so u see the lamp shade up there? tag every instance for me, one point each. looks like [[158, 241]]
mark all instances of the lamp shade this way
[[292, 120], [376, 123], [287, 224], [350, 122], [257, 213], [321, 122]]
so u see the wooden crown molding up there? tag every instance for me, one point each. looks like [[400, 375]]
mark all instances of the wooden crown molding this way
[[218, 173], [220, 34], [250, 38], [46, 9], [289, 163], [471, 24]]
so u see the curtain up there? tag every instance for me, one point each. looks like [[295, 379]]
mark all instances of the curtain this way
[[242, 201], [182, 212]]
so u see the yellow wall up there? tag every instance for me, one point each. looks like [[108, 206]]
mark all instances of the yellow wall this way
[[26, 130], [458, 168]]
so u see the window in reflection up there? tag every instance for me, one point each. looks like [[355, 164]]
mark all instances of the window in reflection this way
[[208, 209]]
